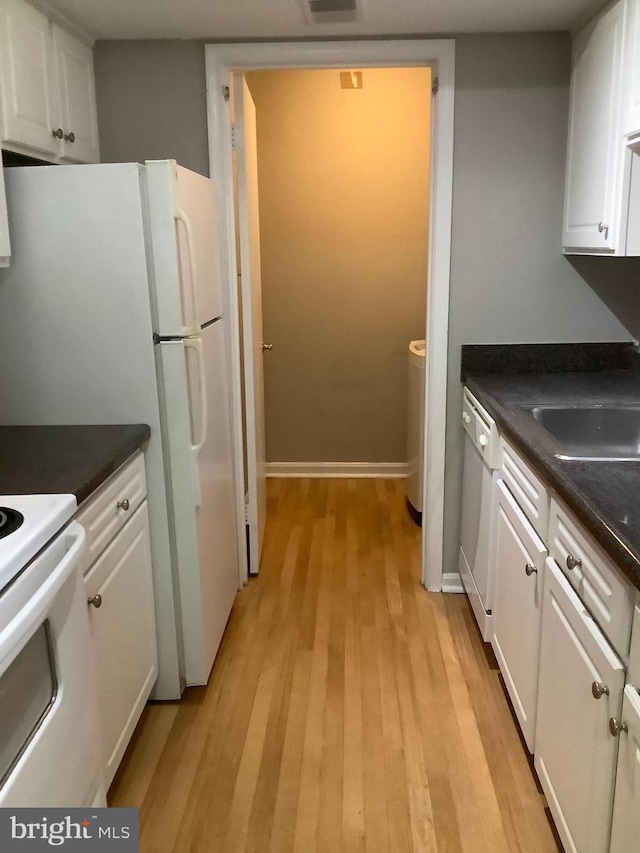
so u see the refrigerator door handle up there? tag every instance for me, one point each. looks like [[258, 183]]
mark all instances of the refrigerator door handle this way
[[194, 328], [196, 446]]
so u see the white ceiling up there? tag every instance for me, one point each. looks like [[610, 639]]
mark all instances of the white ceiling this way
[[220, 19]]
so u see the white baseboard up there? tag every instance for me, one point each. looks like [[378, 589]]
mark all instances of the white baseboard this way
[[452, 582], [337, 469]]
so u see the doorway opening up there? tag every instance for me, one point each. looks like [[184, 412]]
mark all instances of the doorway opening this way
[[343, 177], [433, 60]]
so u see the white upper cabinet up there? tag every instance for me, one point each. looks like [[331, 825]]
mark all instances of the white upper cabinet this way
[[593, 212], [27, 72], [631, 107], [74, 66], [47, 86]]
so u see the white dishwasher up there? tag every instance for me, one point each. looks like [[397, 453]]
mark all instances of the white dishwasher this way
[[481, 463]]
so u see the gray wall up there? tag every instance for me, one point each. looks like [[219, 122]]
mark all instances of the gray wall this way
[[152, 102], [344, 225], [509, 281]]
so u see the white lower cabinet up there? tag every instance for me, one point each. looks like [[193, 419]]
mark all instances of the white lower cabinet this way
[[519, 569], [580, 689], [625, 831], [123, 631], [119, 591]]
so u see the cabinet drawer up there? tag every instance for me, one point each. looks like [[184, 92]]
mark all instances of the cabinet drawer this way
[[634, 654], [528, 490], [606, 594], [105, 514]]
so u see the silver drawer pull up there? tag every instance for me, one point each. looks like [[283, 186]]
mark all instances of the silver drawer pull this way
[[530, 569], [58, 133], [599, 689], [573, 563], [123, 505], [70, 137], [616, 726], [95, 600]]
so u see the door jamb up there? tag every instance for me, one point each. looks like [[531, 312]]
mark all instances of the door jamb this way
[[438, 54]]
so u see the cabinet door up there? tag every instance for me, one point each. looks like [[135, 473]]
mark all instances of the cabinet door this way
[[519, 569], [123, 633], [631, 114], [30, 110], [575, 751], [595, 148], [625, 831], [5, 244], [74, 66]]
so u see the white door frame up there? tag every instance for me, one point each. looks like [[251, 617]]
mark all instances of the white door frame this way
[[439, 55]]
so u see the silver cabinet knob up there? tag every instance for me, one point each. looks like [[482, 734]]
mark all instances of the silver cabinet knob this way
[[617, 726], [573, 563], [70, 137], [95, 600], [599, 689], [266, 346], [603, 228], [58, 133], [123, 505], [530, 569]]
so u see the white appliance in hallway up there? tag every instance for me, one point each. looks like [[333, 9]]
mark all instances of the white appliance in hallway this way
[[112, 312]]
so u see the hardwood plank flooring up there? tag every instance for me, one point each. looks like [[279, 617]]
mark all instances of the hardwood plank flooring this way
[[348, 709]]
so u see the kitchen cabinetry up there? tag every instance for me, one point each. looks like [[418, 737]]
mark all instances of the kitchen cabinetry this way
[[119, 590], [593, 211], [5, 244], [519, 558], [631, 108], [47, 87], [625, 829], [580, 690], [606, 594]]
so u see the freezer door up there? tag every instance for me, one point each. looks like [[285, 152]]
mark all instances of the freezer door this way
[[202, 492], [187, 289]]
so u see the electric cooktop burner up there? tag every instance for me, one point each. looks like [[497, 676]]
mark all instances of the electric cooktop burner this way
[[10, 520]]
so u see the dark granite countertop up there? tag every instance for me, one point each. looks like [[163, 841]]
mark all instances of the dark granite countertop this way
[[64, 459], [604, 496]]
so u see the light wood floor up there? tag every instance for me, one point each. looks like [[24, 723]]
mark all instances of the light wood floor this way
[[348, 709]]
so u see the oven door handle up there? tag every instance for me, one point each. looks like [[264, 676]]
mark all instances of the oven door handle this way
[[25, 623]]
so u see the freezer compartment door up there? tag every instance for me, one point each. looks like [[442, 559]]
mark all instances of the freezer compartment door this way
[[187, 289], [200, 480]]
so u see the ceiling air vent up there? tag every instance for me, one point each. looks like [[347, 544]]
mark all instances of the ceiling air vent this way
[[332, 11]]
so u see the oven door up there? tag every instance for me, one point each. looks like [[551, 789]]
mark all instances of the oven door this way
[[49, 736]]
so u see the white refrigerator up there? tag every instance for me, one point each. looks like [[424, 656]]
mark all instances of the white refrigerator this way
[[112, 312]]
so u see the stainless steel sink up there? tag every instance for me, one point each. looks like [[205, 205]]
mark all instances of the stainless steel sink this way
[[603, 433]]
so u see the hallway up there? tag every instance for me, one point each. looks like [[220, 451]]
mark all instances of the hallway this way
[[348, 709]]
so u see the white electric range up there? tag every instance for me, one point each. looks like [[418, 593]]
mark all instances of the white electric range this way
[[49, 732]]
